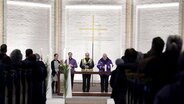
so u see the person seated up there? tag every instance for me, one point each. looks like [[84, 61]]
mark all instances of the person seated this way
[[118, 83]]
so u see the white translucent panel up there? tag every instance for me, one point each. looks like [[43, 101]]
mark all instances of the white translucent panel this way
[[108, 32], [33, 1], [28, 27], [68, 2], [152, 22]]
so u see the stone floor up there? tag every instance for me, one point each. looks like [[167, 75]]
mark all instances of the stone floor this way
[[95, 87], [81, 100]]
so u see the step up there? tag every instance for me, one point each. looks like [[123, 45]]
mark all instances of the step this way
[[86, 100], [100, 94]]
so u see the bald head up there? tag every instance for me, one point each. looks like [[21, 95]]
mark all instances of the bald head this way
[[86, 55]]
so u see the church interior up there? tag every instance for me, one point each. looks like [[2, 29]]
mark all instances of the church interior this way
[[142, 37]]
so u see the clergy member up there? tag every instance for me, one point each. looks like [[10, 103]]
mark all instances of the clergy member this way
[[86, 64], [72, 64], [104, 65]]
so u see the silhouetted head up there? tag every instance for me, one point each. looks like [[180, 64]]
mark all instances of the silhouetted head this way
[[32, 57], [174, 44], [119, 61], [37, 57], [157, 45], [16, 55], [130, 55], [29, 52], [3, 48]]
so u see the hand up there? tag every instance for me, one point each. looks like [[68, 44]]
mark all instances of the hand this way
[[71, 65], [86, 67]]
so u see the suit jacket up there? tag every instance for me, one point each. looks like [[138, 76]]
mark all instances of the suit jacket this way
[[53, 67]]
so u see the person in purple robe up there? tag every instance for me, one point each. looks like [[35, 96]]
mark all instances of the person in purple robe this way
[[104, 65], [72, 64]]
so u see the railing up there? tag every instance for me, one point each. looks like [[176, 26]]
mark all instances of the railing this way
[[84, 94]]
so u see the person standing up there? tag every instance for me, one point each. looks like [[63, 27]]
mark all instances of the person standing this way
[[86, 64], [72, 64], [55, 68], [104, 65]]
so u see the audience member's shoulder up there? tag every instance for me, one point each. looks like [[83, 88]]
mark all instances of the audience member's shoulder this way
[[162, 96]]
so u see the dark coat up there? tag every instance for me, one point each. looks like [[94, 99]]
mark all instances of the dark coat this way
[[172, 93], [118, 83]]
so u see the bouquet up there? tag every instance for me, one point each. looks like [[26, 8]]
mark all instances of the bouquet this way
[[64, 69]]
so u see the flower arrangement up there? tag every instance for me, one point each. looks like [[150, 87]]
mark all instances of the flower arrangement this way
[[64, 69]]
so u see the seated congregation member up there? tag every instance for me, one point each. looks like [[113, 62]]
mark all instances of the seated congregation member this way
[[86, 64], [155, 52], [3, 50], [118, 83], [16, 57], [156, 47], [41, 65], [37, 80], [55, 68], [104, 65], [162, 69], [6, 80], [26, 61], [72, 64], [173, 93], [43, 70], [130, 59]]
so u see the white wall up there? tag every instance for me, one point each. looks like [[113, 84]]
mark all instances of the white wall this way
[[155, 20], [28, 26], [109, 40]]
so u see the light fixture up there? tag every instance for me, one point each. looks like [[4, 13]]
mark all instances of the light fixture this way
[[31, 4], [93, 6], [161, 5]]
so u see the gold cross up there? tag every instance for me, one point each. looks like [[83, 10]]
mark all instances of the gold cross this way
[[93, 28], [93, 31]]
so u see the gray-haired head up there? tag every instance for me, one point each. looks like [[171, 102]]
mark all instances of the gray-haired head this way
[[174, 43], [37, 57], [119, 61], [16, 56]]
